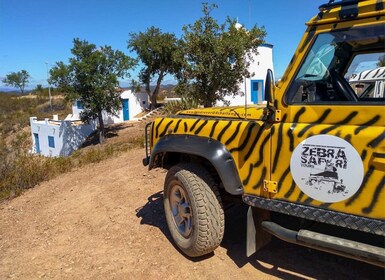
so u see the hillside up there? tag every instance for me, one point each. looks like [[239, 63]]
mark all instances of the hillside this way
[[105, 220]]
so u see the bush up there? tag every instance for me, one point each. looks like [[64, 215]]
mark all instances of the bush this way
[[19, 169], [185, 103]]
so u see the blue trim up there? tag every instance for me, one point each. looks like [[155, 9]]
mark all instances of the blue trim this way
[[51, 142], [254, 94], [266, 45], [79, 104], [37, 143], [126, 113]]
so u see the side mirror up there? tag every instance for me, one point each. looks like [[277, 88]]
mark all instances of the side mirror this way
[[269, 87]]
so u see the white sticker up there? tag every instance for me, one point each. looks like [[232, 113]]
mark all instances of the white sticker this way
[[327, 168]]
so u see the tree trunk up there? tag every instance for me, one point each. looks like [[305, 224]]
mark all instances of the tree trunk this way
[[101, 127], [152, 99], [154, 103]]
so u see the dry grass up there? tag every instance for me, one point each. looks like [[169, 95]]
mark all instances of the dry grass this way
[[20, 170]]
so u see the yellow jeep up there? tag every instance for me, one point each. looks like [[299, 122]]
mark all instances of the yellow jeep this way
[[314, 151]]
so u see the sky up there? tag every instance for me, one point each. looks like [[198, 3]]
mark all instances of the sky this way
[[36, 34]]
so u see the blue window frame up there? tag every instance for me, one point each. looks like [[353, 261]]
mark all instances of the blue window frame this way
[[79, 104], [51, 141]]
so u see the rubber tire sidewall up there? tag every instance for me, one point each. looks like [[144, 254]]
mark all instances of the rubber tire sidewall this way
[[180, 175]]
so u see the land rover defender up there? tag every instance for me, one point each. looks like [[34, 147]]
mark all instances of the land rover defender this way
[[314, 151]]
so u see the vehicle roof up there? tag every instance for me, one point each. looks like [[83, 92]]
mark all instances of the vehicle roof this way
[[344, 10], [377, 74]]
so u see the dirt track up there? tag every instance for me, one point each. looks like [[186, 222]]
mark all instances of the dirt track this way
[[105, 221]]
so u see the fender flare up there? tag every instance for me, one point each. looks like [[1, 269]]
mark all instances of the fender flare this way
[[212, 150]]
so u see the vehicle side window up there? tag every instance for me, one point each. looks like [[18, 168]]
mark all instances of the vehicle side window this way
[[342, 66], [366, 76]]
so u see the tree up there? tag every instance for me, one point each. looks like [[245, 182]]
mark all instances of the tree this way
[[381, 61], [135, 85], [216, 57], [39, 88], [91, 76], [158, 53], [17, 79]]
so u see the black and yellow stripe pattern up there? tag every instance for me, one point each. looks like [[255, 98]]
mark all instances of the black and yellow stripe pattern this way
[[362, 126], [262, 151]]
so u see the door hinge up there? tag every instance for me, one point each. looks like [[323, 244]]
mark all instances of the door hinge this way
[[270, 114], [270, 186], [277, 115]]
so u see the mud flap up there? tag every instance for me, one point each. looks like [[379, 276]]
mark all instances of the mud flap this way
[[256, 236]]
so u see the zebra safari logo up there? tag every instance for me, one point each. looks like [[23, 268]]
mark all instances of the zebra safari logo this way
[[327, 168]]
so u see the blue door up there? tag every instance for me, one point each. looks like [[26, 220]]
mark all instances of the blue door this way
[[256, 91], [37, 144], [126, 115]]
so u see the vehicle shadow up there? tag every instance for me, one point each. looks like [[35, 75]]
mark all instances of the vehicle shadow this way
[[152, 214], [278, 258], [289, 261]]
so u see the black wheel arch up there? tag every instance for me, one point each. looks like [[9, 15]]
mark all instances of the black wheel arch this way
[[172, 149]]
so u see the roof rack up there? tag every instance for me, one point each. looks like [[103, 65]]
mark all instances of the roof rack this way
[[333, 4]]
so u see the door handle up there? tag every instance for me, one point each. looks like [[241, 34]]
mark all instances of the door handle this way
[[378, 161]]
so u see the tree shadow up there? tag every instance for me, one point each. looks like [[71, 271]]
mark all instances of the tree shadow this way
[[278, 258], [111, 131]]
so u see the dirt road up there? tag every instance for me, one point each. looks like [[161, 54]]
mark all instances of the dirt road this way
[[105, 221]]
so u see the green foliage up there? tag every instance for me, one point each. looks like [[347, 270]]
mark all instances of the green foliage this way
[[185, 103], [216, 57], [17, 79], [92, 77], [39, 88], [381, 61], [135, 86], [158, 52]]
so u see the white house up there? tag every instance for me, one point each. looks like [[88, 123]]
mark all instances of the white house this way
[[61, 137], [133, 103], [58, 138], [252, 89]]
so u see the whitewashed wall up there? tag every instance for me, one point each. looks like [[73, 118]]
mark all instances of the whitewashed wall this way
[[262, 62], [67, 136], [137, 103]]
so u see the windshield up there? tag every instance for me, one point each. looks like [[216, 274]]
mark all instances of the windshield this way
[[337, 62]]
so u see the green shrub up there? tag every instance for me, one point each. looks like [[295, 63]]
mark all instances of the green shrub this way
[[185, 103]]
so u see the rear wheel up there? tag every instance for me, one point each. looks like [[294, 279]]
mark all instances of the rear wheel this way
[[193, 209]]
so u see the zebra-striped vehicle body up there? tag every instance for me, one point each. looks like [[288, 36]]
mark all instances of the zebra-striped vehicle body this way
[[316, 150]]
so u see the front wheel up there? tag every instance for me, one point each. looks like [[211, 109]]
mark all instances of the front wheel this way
[[193, 209]]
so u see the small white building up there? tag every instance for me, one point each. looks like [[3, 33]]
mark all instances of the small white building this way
[[54, 138], [133, 103], [252, 90], [62, 137]]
